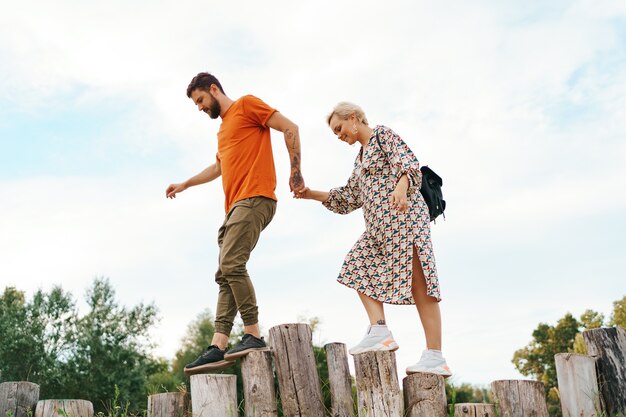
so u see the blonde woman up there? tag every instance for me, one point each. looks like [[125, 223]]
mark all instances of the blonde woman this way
[[393, 260]]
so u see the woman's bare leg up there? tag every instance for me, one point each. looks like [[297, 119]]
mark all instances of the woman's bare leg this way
[[427, 306], [374, 308]]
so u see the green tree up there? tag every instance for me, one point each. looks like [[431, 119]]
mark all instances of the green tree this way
[[41, 330], [465, 393], [112, 349], [618, 318], [537, 358], [45, 341]]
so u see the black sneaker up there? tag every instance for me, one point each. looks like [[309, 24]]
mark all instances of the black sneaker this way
[[211, 359], [248, 344]]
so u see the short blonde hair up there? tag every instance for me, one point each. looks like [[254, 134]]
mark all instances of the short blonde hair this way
[[345, 109]]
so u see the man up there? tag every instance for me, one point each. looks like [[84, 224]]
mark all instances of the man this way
[[245, 162]]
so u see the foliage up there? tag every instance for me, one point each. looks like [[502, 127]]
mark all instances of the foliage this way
[[42, 330], [537, 358], [618, 318], [78, 357], [465, 393]]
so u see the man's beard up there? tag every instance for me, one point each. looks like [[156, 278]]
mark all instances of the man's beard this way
[[214, 109]]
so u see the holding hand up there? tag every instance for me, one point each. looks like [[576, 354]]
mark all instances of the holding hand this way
[[308, 194], [302, 192]]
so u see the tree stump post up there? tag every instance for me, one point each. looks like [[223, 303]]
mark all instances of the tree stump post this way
[[578, 385], [258, 384], [168, 404], [378, 392], [474, 410], [18, 398], [520, 398], [339, 380], [66, 408], [424, 395], [298, 381], [608, 345], [214, 395]]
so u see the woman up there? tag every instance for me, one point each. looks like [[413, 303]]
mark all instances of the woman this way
[[393, 261]]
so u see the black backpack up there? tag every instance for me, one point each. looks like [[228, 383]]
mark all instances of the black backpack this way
[[431, 191]]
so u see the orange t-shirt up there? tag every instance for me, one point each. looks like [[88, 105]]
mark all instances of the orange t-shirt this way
[[244, 149]]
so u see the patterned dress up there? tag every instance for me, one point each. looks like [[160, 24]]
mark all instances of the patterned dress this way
[[379, 264]]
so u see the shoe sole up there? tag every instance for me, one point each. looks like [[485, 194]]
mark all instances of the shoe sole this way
[[444, 374], [237, 355], [208, 367], [393, 348]]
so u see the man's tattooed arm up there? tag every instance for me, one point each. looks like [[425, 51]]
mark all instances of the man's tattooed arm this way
[[292, 140]]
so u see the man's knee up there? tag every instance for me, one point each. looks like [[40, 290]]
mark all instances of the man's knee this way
[[232, 268]]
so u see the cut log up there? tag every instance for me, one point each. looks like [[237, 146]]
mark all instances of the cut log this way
[[339, 380], [424, 395], [258, 385], [168, 404], [520, 398], [578, 385], [214, 395], [608, 345], [298, 381], [377, 388], [18, 398], [474, 410], [65, 408]]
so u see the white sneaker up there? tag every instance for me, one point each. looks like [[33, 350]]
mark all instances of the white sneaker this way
[[431, 362], [376, 338]]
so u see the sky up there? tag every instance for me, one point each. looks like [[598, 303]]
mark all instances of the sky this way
[[519, 106]]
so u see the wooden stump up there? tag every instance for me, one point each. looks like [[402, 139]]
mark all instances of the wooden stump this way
[[424, 395], [339, 380], [578, 385], [520, 398], [609, 347], [474, 410], [18, 398], [167, 404], [296, 371], [378, 392], [214, 395], [64, 408], [258, 385]]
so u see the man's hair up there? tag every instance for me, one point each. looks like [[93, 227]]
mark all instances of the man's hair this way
[[203, 81]]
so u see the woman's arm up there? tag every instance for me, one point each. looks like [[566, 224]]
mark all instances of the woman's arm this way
[[309, 194]]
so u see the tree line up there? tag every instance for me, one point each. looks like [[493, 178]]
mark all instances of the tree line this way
[[536, 359], [105, 355]]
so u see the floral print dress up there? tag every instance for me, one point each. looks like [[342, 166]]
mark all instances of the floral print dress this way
[[379, 264]]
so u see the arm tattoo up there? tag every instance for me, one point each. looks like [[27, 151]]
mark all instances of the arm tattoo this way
[[296, 178], [292, 137], [295, 160]]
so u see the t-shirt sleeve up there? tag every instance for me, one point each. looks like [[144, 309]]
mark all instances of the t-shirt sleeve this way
[[257, 109]]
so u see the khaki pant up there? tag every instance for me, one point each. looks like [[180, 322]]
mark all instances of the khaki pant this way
[[236, 239]]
